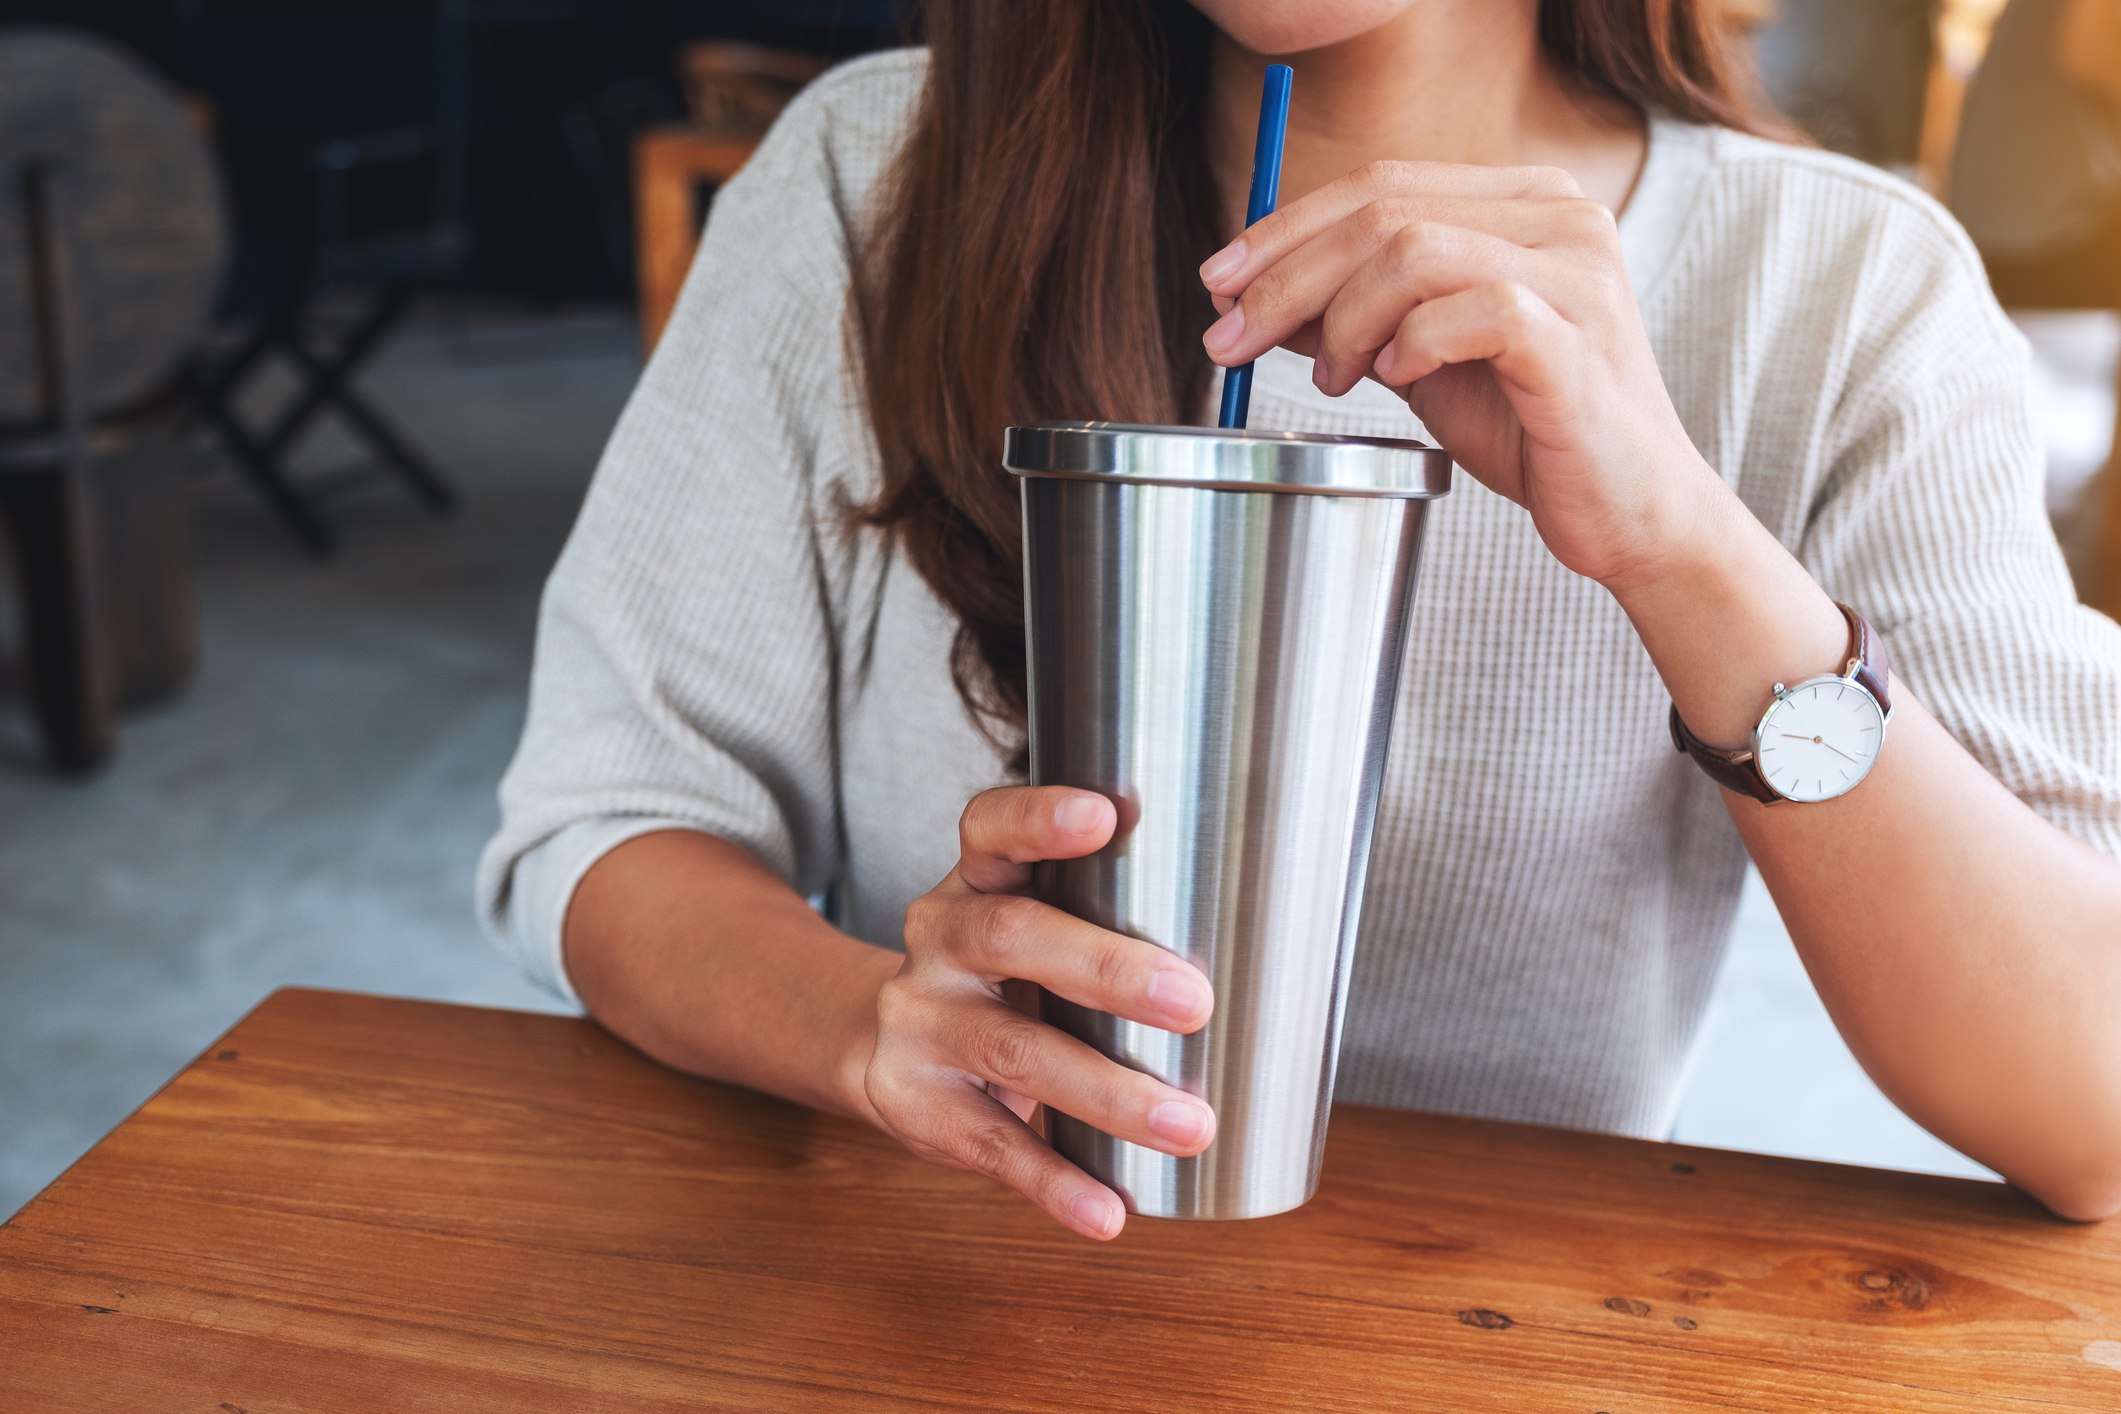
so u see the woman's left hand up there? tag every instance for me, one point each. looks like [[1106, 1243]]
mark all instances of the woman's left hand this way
[[1496, 301]]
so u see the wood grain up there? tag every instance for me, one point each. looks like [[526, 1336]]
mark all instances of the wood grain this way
[[669, 164], [364, 1204]]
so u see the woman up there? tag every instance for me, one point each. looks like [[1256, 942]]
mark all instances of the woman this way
[[783, 648]]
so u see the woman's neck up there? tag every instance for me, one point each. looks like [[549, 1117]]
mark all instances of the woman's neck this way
[[1445, 81]]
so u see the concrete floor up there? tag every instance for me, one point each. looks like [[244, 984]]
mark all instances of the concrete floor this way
[[309, 812]]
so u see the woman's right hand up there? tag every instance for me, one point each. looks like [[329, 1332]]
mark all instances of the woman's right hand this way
[[957, 1069]]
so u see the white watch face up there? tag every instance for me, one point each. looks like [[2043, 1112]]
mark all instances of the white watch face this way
[[1819, 738]]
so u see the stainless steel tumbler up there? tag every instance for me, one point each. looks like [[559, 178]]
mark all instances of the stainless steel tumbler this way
[[1216, 621]]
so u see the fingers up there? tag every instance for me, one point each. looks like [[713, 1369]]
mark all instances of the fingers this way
[[995, 935], [1531, 205], [1021, 1106], [1281, 231], [957, 1069], [942, 1038], [1336, 272], [1536, 223], [1297, 288], [1014, 1054], [964, 1128], [1358, 280], [1534, 353], [991, 937], [954, 1075], [1005, 831], [1418, 263], [1357, 294]]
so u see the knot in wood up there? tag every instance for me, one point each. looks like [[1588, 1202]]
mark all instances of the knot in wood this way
[[1888, 1288]]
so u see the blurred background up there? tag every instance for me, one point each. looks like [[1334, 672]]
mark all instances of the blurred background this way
[[313, 320]]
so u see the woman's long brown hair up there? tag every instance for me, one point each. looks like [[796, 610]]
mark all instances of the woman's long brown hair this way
[[1038, 252]]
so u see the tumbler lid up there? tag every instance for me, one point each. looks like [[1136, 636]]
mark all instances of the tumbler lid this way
[[1228, 459]]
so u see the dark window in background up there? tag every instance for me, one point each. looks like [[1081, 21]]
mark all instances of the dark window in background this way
[[552, 92]]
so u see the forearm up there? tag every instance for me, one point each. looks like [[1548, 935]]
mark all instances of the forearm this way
[[691, 949], [1969, 952]]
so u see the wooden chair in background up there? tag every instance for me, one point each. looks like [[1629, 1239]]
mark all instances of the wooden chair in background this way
[[734, 91]]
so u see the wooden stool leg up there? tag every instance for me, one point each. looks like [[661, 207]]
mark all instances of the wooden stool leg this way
[[71, 682], [143, 507]]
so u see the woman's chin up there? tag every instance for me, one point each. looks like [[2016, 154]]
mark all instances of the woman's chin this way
[[1277, 27]]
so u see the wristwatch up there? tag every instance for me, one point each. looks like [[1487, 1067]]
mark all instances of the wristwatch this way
[[1816, 740]]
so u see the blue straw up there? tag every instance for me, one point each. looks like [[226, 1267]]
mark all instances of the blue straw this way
[[1266, 190]]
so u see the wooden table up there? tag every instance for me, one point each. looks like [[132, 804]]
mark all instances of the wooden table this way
[[352, 1203]]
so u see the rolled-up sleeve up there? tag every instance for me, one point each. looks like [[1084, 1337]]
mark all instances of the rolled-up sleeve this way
[[1931, 521], [685, 667]]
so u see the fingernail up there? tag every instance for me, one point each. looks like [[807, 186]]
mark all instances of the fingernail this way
[[1179, 994], [1224, 332], [1076, 814], [1178, 1121], [1385, 361], [1094, 1213], [1223, 264]]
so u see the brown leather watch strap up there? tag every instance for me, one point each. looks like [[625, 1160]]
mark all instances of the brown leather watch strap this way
[[1733, 770], [1740, 770], [1867, 662]]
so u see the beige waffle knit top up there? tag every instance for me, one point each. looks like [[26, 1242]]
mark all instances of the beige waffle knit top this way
[[1552, 886]]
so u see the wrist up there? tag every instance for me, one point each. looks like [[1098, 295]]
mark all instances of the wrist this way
[[1725, 613], [1685, 536], [847, 1087]]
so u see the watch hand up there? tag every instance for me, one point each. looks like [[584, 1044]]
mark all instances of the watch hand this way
[[1821, 741]]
